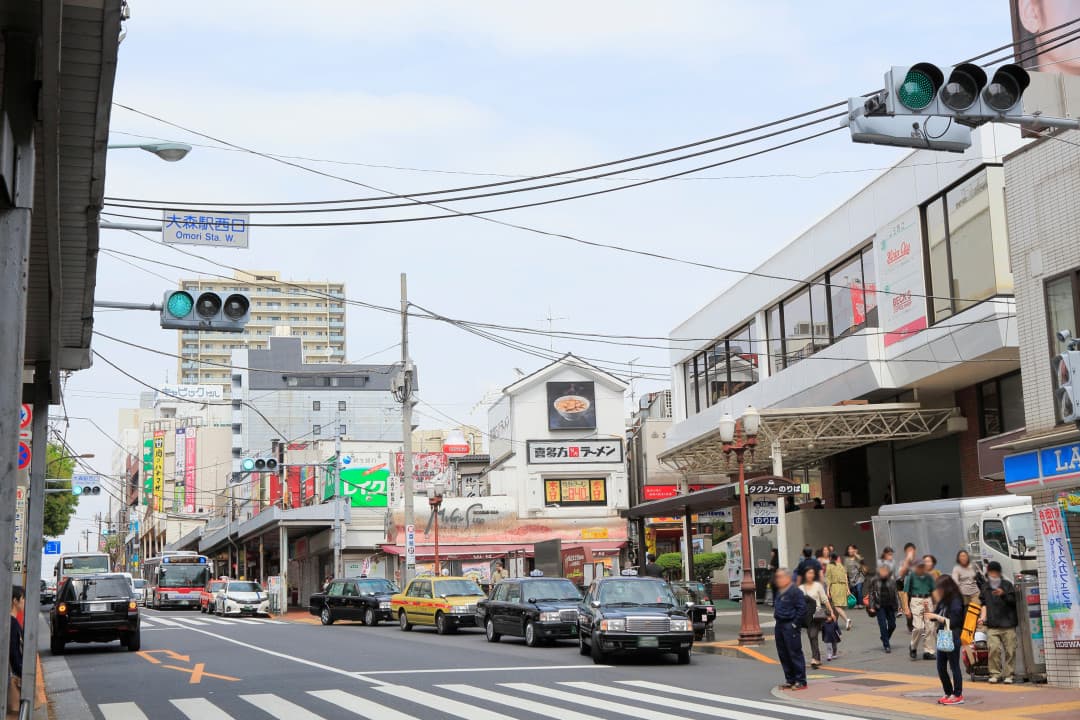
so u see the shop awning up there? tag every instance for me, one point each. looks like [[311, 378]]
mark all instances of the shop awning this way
[[807, 435], [492, 551], [695, 502]]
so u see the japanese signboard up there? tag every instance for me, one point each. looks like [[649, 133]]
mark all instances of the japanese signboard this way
[[573, 561], [366, 486], [1063, 592], [148, 472], [571, 405], [192, 392], [20, 528], [213, 228], [159, 470], [499, 428], [189, 471], [899, 263], [663, 492], [574, 452], [772, 486], [764, 512], [179, 469], [426, 465], [575, 491]]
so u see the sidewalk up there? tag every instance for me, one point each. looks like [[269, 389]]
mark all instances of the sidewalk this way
[[864, 681]]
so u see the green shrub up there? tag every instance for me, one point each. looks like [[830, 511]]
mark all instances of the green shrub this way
[[704, 564]]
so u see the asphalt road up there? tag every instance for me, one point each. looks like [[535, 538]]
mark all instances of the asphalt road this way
[[197, 667]]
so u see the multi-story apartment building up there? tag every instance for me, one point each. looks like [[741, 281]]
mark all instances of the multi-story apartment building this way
[[313, 311]]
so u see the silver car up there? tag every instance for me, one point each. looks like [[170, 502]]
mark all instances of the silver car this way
[[138, 590]]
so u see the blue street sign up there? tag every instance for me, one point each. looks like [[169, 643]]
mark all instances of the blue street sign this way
[[52, 547]]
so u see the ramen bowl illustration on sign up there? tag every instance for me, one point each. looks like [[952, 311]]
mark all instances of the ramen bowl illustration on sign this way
[[570, 407]]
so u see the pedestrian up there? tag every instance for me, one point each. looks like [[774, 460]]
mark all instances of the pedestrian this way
[[998, 598], [831, 634], [774, 563], [819, 504], [789, 611], [808, 561], [931, 566], [836, 584], [814, 590], [856, 571], [326, 582], [653, 568], [15, 649], [887, 558], [966, 577], [499, 573], [882, 602], [906, 566], [950, 613], [918, 587]]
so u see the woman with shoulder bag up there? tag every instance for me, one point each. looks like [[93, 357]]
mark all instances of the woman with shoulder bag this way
[[813, 590], [949, 612], [15, 650]]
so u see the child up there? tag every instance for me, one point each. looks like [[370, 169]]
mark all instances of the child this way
[[831, 634]]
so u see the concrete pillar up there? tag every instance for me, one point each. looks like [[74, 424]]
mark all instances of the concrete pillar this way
[[283, 544]]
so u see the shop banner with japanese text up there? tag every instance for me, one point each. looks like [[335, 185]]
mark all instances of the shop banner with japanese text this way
[[189, 471], [1062, 590]]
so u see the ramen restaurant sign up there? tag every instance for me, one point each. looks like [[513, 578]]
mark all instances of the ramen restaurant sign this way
[[574, 452]]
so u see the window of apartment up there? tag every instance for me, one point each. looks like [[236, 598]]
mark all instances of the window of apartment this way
[[960, 246], [1001, 405], [798, 328], [316, 405], [341, 405], [342, 430], [742, 360], [869, 273], [316, 430], [775, 339], [847, 293], [1062, 313], [718, 368], [692, 407]]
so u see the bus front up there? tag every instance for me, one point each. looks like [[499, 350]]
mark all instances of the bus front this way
[[179, 581]]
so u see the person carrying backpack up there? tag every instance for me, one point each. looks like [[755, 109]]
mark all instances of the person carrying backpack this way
[[789, 611]]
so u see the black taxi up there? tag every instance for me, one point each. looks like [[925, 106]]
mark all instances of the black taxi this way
[[633, 615], [539, 609]]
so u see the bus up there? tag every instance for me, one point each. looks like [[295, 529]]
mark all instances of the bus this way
[[76, 564], [176, 579]]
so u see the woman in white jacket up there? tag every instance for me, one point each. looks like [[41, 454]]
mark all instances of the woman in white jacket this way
[[815, 591]]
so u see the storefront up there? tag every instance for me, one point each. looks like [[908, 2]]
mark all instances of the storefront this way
[[1050, 475]]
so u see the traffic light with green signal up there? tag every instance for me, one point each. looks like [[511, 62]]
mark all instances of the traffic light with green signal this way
[[209, 311]]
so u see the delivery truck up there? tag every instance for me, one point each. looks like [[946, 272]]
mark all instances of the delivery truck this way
[[999, 527]]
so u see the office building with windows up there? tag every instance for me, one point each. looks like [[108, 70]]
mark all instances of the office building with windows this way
[[313, 311], [885, 363]]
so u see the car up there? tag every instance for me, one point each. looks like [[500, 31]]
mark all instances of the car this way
[[47, 594], [363, 599], [447, 603], [95, 608], [242, 597], [138, 588], [208, 595], [633, 615], [539, 609], [701, 610]]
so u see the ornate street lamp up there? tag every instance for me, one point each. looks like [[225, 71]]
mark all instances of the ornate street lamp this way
[[750, 629]]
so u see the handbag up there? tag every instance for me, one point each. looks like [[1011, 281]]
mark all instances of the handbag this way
[[945, 642], [852, 601], [821, 613]]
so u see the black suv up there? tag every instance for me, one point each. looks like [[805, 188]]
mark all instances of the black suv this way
[[95, 608], [363, 599], [538, 609], [633, 614]]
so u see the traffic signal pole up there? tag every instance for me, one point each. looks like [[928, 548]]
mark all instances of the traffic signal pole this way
[[406, 432]]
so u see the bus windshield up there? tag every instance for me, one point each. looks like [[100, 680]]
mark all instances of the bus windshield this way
[[84, 564], [177, 575]]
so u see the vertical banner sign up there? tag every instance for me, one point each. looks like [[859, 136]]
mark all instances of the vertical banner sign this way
[[20, 529], [292, 497], [159, 470], [179, 466], [1062, 590], [309, 484], [148, 472], [899, 262], [189, 471]]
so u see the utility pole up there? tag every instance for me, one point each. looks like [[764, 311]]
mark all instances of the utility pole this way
[[406, 431], [339, 571]]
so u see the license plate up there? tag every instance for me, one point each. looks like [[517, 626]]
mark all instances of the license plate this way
[[648, 641], [99, 607]]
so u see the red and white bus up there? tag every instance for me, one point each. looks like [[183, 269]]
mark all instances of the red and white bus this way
[[176, 579]]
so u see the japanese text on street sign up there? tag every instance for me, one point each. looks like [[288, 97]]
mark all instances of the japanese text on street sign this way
[[218, 229], [1062, 599], [772, 488], [764, 512], [20, 528], [410, 545], [576, 452], [52, 547]]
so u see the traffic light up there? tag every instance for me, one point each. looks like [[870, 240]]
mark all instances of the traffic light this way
[[86, 486], [925, 133], [1066, 367], [962, 93], [180, 310], [258, 464]]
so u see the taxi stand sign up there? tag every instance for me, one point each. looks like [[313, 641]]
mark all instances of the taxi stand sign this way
[[410, 546]]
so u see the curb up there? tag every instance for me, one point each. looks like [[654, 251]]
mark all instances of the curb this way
[[788, 699], [735, 651]]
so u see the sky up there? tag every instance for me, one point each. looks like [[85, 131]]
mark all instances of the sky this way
[[440, 90]]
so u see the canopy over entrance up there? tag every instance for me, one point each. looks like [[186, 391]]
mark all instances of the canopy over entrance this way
[[806, 435]]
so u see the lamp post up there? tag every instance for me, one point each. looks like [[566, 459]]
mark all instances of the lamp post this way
[[750, 628], [435, 492], [167, 151]]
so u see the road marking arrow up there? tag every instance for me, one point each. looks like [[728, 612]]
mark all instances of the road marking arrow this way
[[149, 655]]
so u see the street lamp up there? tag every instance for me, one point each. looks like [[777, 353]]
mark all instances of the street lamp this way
[[84, 456], [750, 629], [434, 493], [167, 151]]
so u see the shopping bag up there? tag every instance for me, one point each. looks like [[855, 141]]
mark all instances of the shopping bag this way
[[945, 639], [852, 601]]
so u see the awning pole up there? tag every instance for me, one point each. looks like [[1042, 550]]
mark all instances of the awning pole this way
[[781, 528], [688, 547]]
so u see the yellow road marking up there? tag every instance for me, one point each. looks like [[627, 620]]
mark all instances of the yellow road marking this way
[[198, 672], [149, 655], [916, 708]]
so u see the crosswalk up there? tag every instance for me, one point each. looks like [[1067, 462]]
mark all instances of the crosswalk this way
[[570, 700], [173, 621]]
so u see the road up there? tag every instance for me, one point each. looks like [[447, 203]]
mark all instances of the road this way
[[197, 667]]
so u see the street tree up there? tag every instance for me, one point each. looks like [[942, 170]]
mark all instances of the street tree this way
[[59, 507]]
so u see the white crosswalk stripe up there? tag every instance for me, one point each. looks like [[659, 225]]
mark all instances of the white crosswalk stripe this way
[[167, 623], [638, 699]]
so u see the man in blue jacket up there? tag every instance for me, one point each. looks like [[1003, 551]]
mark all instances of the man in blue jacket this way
[[789, 610]]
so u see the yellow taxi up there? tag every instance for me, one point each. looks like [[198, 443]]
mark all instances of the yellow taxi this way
[[444, 602]]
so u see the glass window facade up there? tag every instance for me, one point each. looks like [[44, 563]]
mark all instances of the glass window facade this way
[[776, 340], [1001, 405]]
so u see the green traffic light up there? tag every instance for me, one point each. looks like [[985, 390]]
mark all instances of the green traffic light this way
[[76, 490], [917, 91], [180, 304], [248, 465]]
